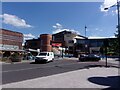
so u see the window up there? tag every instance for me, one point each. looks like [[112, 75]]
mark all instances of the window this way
[[43, 54], [70, 41]]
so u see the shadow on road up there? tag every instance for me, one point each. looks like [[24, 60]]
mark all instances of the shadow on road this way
[[108, 66], [38, 62], [111, 81], [93, 66]]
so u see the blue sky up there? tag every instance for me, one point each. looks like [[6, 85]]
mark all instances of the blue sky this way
[[35, 18]]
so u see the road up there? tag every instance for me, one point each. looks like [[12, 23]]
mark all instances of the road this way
[[30, 70]]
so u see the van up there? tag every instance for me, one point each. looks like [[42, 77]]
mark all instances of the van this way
[[44, 56]]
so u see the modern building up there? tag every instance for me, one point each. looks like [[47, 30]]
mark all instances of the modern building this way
[[10, 41], [92, 45], [68, 40]]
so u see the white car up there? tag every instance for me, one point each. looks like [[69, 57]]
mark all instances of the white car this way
[[44, 56]]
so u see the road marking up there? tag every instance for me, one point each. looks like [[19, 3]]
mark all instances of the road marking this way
[[36, 68]]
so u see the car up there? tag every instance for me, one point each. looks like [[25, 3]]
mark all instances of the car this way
[[45, 57], [89, 57], [68, 55]]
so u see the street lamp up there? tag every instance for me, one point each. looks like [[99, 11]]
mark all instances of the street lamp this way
[[85, 30], [118, 16]]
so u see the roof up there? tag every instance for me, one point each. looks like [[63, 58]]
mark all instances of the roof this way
[[101, 37], [11, 31], [66, 32], [79, 37]]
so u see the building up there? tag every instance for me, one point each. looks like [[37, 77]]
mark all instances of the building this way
[[46, 42], [43, 43], [88, 45], [68, 40], [93, 45], [58, 42], [76, 44], [10, 41], [33, 44]]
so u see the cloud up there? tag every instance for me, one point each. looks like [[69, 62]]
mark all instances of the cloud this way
[[95, 32], [107, 4], [59, 28], [114, 12], [14, 20], [98, 29], [102, 8], [0, 16], [28, 36]]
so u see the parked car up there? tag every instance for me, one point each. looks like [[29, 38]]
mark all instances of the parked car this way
[[68, 55], [44, 56], [89, 57], [28, 56]]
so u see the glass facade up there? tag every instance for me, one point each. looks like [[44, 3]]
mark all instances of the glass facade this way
[[86, 45], [90, 42]]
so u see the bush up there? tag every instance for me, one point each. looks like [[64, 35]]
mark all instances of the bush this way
[[15, 57], [3, 59]]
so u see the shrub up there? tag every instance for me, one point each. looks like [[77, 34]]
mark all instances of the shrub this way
[[15, 57]]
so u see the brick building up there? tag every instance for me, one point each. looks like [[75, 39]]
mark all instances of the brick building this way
[[46, 42], [43, 43], [10, 41]]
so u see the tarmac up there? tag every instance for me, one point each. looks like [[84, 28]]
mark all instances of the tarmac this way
[[94, 77]]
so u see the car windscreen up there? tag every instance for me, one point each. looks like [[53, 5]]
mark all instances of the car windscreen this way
[[43, 54]]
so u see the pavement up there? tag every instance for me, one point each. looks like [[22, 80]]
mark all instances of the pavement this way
[[98, 77], [112, 60]]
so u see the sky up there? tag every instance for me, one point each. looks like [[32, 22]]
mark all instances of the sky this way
[[35, 18]]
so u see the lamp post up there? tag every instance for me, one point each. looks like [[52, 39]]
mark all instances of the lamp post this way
[[118, 9], [85, 40], [118, 17], [85, 30]]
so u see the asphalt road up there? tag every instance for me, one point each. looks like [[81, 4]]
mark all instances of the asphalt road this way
[[30, 70]]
